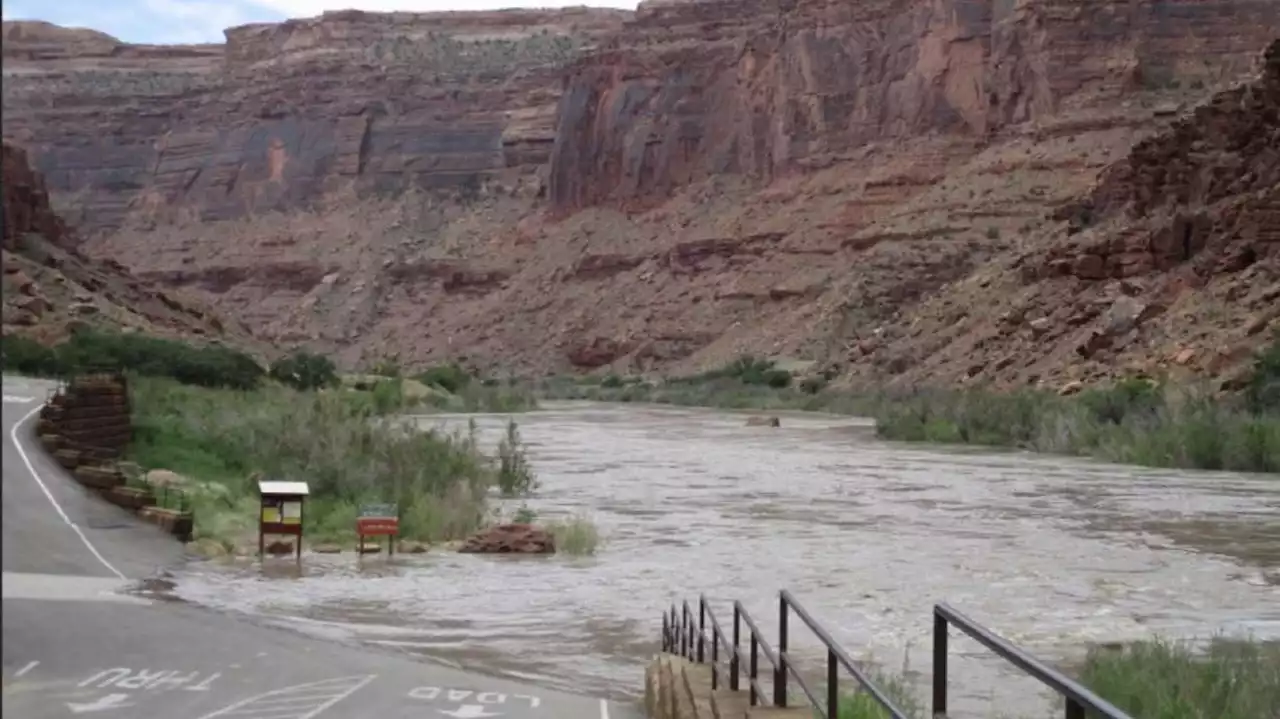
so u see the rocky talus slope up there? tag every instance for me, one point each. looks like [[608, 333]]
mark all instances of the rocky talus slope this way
[[908, 189], [50, 287]]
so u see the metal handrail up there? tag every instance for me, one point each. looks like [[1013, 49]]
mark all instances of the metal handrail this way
[[681, 635], [1077, 698], [836, 657]]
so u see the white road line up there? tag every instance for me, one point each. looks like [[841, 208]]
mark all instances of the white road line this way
[[305, 695], [15, 398], [604, 709], [13, 436], [25, 669]]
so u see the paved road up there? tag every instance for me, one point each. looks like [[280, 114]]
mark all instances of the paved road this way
[[74, 644]]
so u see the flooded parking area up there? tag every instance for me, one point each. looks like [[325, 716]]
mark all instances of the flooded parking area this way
[[1051, 552]]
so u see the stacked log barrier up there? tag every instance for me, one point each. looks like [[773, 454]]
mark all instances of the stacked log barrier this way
[[86, 426]]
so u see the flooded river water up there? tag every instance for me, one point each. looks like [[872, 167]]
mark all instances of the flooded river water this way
[[1052, 553]]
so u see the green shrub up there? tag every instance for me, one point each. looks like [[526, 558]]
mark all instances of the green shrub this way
[[575, 536], [448, 377], [612, 381], [305, 371], [515, 474], [813, 385], [202, 365], [223, 439], [1263, 392], [26, 356], [1164, 680]]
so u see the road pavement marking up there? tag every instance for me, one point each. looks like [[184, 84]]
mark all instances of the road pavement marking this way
[[470, 711], [110, 701], [20, 400], [28, 667], [301, 701], [13, 435], [604, 709]]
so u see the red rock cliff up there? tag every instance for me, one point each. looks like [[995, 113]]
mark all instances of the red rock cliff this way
[[284, 114], [50, 287], [664, 189], [764, 87], [26, 201]]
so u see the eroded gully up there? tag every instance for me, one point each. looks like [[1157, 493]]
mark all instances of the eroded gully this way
[[1053, 553]]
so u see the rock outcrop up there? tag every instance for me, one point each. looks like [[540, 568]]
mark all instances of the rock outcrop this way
[[510, 539], [50, 287], [1171, 263], [658, 190]]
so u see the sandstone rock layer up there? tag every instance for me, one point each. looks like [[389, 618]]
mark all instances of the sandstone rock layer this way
[[665, 189]]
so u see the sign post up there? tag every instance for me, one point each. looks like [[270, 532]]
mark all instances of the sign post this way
[[378, 520], [281, 512]]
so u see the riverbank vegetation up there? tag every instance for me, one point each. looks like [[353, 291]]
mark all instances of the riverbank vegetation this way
[[1136, 421], [220, 421], [1231, 679], [1153, 679]]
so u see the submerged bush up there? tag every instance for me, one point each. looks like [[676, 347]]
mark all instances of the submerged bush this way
[[515, 474], [225, 439]]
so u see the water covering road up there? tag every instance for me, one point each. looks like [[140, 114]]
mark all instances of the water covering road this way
[[1053, 553]]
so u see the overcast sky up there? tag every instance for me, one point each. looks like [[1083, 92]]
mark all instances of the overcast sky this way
[[188, 21]]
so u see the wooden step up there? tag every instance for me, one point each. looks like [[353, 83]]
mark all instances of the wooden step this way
[[776, 713], [697, 685], [728, 704]]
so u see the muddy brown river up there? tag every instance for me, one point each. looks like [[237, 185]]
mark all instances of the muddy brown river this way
[[1052, 553]]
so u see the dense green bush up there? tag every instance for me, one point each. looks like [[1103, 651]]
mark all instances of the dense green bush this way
[[448, 377], [305, 371], [99, 351], [26, 356], [1263, 392]]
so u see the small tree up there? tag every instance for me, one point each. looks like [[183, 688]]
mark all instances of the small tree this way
[[305, 371]]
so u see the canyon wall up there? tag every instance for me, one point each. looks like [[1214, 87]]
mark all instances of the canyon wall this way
[[282, 115], [51, 288], [661, 189]]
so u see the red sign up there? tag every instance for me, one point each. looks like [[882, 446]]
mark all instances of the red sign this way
[[376, 526]]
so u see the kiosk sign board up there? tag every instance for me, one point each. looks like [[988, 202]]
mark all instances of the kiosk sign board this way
[[281, 511]]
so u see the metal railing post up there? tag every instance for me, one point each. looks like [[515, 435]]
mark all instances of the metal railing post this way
[[752, 665], [715, 657], [833, 686], [1074, 709], [733, 660], [780, 672], [688, 631], [666, 633], [939, 666], [702, 630]]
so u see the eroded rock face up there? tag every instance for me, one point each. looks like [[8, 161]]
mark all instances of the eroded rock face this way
[[26, 202], [49, 285], [867, 184], [510, 539], [283, 114], [766, 87]]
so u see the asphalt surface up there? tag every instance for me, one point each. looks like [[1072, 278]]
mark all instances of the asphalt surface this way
[[77, 643]]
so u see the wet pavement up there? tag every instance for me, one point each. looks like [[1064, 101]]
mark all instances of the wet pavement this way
[[1053, 553]]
